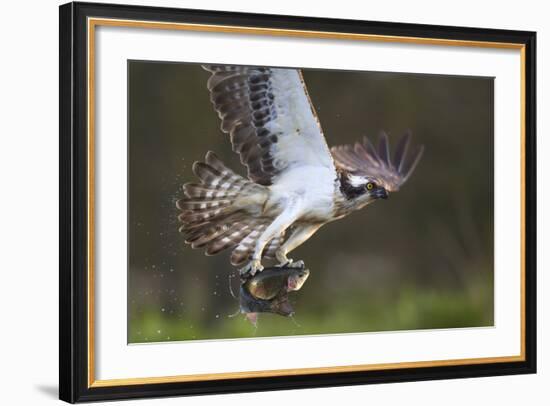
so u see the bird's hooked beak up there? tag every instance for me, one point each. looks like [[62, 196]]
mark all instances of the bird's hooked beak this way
[[380, 193]]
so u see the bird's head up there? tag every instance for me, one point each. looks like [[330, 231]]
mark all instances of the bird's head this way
[[361, 190]]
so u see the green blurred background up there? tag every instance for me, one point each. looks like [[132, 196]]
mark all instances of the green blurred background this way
[[422, 259]]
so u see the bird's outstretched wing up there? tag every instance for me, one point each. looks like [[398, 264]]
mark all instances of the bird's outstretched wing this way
[[269, 117], [389, 170]]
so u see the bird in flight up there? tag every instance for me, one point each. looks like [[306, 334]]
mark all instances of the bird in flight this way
[[295, 183]]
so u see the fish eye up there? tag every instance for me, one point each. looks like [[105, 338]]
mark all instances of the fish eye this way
[[370, 186]]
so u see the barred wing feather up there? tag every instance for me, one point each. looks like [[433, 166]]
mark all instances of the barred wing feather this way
[[269, 118]]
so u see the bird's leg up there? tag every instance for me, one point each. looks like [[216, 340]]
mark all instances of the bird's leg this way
[[299, 235], [278, 226]]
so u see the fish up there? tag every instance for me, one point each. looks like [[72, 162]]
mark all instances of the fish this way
[[269, 283], [267, 291]]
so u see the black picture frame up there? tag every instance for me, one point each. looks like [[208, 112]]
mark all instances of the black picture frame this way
[[74, 200]]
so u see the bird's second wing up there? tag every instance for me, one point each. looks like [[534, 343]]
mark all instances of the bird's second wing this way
[[363, 158], [269, 117]]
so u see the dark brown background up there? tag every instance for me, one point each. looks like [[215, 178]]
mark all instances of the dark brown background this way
[[421, 259]]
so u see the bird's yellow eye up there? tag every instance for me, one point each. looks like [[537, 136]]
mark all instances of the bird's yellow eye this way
[[370, 186]]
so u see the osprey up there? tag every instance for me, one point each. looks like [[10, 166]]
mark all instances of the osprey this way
[[295, 183]]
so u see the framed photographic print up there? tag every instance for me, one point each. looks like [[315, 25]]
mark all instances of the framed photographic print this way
[[255, 202]]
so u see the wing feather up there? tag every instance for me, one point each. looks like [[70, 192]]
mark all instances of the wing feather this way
[[269, 118]]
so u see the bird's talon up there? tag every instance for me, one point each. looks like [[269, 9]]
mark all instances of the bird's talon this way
[[297, 264], [251, 268], [284, 264], [256, 266], [289, 263]]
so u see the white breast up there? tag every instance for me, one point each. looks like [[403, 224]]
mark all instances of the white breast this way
[[311, 186]]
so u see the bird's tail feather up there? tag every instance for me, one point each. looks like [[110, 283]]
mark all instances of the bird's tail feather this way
[[222, 211]]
